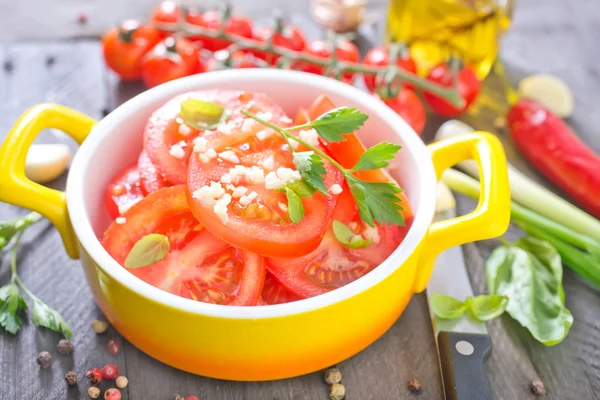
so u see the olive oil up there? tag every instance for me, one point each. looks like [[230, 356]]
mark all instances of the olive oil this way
[[434, 30]]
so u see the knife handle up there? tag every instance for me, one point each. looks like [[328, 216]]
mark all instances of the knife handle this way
[[462, 357]]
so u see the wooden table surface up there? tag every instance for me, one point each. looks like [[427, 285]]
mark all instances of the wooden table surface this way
[[47, 56]]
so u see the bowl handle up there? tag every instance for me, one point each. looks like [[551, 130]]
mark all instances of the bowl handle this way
[[492, 215], [15, 188]]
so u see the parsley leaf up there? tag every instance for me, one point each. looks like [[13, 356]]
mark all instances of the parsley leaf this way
[[333, 124], [295, 206], [376, 201], [11, 305], [311, 168], [344, 235], [377, 156], [148, 250], [47, 317], [8, 229]]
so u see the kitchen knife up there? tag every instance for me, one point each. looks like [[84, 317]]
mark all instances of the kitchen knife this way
[[463, 343]]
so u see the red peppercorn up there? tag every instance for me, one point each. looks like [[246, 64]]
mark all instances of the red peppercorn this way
[[112, 394], [114, 346], [110, 371], [191, 398], [94, 375]]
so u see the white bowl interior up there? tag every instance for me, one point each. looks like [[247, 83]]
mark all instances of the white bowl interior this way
[[116, 141]]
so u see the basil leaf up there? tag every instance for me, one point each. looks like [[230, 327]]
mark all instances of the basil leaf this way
[[446, 307], [377, 156], [333, 124], [202, 115], [300, 187], [311, 169], [12, 304], [487, 307], [148, 250], [47, 317], [295, 206], [344, 235], [530, 273]]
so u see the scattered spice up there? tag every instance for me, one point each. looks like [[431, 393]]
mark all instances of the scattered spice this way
[[333, 375], [44, 359], [110, 371], [500, 123], [50, 60], [94, 375], [122, 382], [94, 392], [178, 397], [112, 394], [337, 391], [114, 346], [82, 18], [191, 398], [8, 66], [65, 346], [415, 385], [71, 378], [538, 388], [99, 326], [105, 112]]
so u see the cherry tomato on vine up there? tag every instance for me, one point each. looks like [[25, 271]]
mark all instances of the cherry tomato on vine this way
[[123, 48], [345, 50], [167, 12], [291, 38], [171, 59], [468, 89], [407, 105], [239, 59], [379, 57], [236, 25]]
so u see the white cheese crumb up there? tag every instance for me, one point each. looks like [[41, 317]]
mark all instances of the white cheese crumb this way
[[230, 156], [248, 125], [310, 135], [225, 129], [371, 234], [209, 194], [264, 134], [221, 212], [247, 199], [335, 189], [177, 150], [285, 120], [230, 187], [123, 208], [121, 220], [272, 181], [226, 178], [267, 116], [203, 158], [184, 130], [200, 144], [255, 175], [353, 225], [287, 174], [293, 143], [283, 206], [211, 154], [179, 120], [285, 147], [356, 238], [239, 191], [268, 163]]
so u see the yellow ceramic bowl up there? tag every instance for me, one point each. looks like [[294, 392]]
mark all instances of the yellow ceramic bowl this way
[[252, 343]]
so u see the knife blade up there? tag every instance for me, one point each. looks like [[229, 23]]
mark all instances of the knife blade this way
[[463, 343]]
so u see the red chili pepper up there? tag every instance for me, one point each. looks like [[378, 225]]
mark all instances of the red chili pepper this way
[[554, 149]]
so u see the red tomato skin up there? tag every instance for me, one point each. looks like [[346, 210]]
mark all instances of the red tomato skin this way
[[123, 57], [167, 12], [151, 179], [236, 25], [162, 66], [291, 38], [345, 51], [408, 105], [274, 292], [468, 89], [122, 189], [240, 59], [556, 151], [379, 57]]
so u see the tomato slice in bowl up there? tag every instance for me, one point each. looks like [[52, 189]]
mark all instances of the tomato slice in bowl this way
[[123, 191], [151, 179], [199, 266], [169, 141], [333, 264], [274, 292]]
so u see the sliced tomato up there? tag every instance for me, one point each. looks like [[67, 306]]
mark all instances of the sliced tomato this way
[[199, 266], [151, 179], [333, 264], [275, 293], [165, 129], [125, 189]]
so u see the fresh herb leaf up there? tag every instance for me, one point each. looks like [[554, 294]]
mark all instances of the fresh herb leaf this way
[[295, 206], [8, 229], [376, 201], [12, 304], [377, 156], [487, 307], [446, 307], [312, 169], [530, 273], [344, 235], [333, 124], [300, 187], [148, 250], [47, 317], [202, 115]]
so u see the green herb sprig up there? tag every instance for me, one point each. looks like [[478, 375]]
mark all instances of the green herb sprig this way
[[377, 201], [482, 308]]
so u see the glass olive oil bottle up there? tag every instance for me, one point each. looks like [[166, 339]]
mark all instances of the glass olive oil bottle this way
[[437, 29]]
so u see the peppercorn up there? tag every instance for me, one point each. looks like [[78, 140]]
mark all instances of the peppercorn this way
[[333, 375], [500, 123], [191, 398], [44, 359], [538, 388], [8, 66], [415, 385], [110, 371], [112, 394], [99, 326], [122, 382], [178, 397], [114, 346], [50, 61], [71, 378], [94, 375], [337, 391], [82, 18], [65, 346], [93, 392]]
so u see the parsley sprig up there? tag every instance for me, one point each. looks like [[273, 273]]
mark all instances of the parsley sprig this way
[[12, 303], [377, 201]]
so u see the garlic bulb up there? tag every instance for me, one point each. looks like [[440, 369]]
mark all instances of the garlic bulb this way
[[339, 15]]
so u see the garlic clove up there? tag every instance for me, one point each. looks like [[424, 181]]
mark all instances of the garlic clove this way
[[444, 199], [452, 128], [46, 162], [550, 91]]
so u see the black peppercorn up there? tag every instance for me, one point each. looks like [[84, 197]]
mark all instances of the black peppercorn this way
[[415, 385], [538, 388], [44, 359], [71, 378], [65, 346]]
